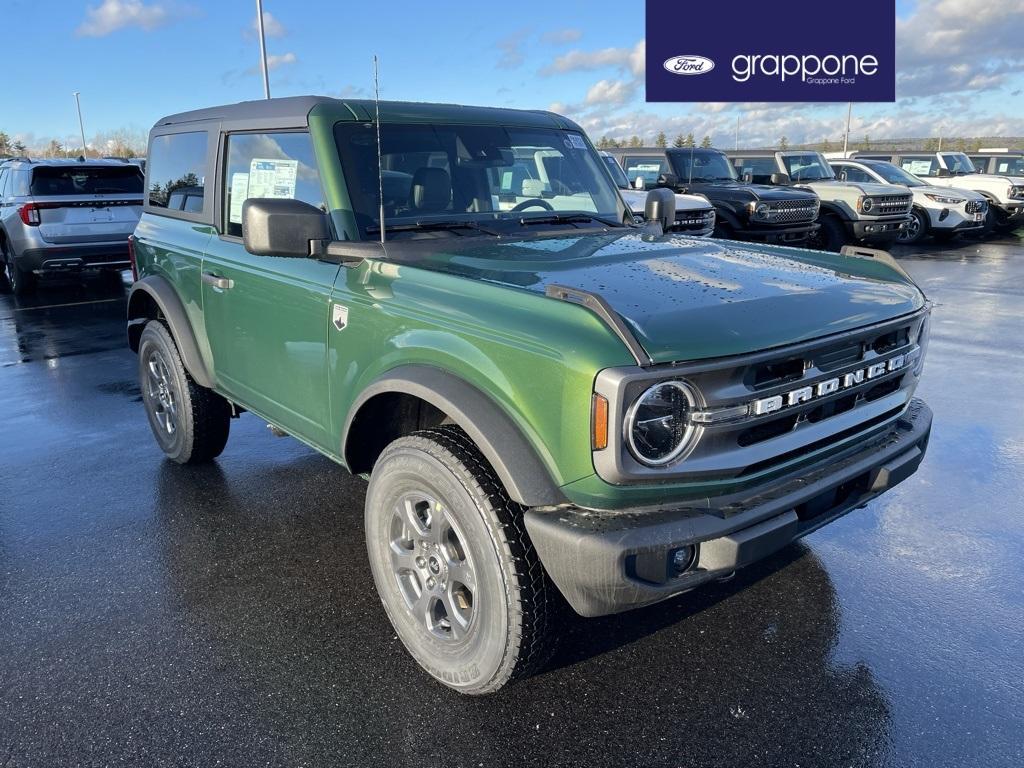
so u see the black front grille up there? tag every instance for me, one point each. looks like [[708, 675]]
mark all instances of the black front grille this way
[[891, 204], [793, 211]]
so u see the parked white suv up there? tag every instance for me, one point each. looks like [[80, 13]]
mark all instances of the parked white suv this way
[[695, 215], [942, 212], [1005, 193]]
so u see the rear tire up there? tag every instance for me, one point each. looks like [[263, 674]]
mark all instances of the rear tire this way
[[453, 565], [190, 423], [21, 282]]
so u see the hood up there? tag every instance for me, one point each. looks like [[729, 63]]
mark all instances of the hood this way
[[863, 188], [988, 178], [949, 191], [636, 200], [766, 191], [686, 298]]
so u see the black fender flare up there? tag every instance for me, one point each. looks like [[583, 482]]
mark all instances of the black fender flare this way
[[499, 439], [726, 215], [162, 293], [828, 208]]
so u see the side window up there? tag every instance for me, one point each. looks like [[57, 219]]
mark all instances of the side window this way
[[650, 167], [853, 173], [920, 165], [268, 165], [759, 168], [981, 163], [3, 182], [177, 167]]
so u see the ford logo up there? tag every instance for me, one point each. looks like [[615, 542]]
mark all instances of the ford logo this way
[[689, 65]]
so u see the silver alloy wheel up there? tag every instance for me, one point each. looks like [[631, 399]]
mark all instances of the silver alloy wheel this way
[[914, 230], [432, 566], [161, 393]]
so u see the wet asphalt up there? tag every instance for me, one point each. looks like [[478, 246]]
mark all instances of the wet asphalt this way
[[152, 614]]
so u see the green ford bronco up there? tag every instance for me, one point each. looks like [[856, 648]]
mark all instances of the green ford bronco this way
[[553, 403]]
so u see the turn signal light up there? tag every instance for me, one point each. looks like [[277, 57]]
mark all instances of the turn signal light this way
[[29, 214], [599, 423]]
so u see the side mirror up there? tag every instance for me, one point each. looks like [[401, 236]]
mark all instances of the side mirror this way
[[747, 177], [640, 183], [842, 175], [668, 180], [278, 226], [660, 208], [943, 173], [780, 179]]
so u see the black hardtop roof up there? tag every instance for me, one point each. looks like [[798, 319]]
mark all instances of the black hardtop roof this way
[[296, 110], [628, 150]]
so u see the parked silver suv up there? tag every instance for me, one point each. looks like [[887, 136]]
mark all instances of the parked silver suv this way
[[60, 215]]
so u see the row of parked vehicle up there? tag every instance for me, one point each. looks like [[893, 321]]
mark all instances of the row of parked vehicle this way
[[63, 215], [801, 197]]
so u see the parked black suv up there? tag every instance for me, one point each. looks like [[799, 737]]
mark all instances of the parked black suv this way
[[743, 211]]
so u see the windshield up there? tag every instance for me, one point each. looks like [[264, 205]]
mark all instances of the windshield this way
[[86, 180], [958, 163], [618, 175], [896, 175], [707, 166], [473, 174], [807, 166]]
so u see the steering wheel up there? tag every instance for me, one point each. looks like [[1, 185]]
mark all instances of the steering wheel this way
[[533, 201]]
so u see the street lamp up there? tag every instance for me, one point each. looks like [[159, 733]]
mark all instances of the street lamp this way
[[81, 126], [846, 136], [263, 49]]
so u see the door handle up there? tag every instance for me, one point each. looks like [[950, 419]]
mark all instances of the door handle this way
[[224, 283]]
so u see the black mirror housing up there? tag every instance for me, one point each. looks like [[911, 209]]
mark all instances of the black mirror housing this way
[[747, 177], [279, 226], [780, 179], [660, 208], [944, 173], [667, 180]]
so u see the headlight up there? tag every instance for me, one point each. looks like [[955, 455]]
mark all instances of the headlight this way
[[1016, 191], [866, 204], [658, 428], [946, 200], [759, 210]]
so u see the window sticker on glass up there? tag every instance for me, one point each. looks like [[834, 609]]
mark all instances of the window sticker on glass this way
[[919, 167], [239, 191], [575, 141], [272, 178]]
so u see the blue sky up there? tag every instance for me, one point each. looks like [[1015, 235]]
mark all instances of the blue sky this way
[[961, 65]]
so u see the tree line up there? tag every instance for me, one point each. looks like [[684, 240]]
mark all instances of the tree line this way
[[122, 142], [958, 144]]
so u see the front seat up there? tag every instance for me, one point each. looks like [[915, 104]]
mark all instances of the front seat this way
[[431, 190]]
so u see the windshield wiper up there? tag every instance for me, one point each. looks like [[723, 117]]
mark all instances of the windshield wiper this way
[[435, 226], [566, 218]]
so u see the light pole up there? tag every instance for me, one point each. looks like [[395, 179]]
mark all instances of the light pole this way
[[81, 126], [263, 49], [737, 146], [846, 136]]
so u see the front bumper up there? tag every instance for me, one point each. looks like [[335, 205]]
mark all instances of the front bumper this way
[[58, 258], [607, 562], [784, 235], [876, 230], [954, 220], [1011, 213]]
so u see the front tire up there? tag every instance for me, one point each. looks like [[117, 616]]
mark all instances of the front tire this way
[[916, 229], [190, 423], [453, 565], [831, 235]]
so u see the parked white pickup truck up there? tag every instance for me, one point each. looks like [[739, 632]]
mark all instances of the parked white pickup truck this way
[[1005, 193], [942, 212], [694, 213]]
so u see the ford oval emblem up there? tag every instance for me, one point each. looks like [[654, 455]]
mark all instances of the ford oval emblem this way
[[689, 65]]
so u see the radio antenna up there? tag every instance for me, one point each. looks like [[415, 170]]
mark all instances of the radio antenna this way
[[380, 164], [689, 181]]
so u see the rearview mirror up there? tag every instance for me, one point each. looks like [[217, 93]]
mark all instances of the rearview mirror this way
[[668, 180], [780, 179], [842, 175], [274, 226], [660, 208], [747, 177]]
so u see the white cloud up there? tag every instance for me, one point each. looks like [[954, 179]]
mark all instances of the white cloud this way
[[112, 15], [629, 59], [611, 92], [511, 48], [274, 60], [562, 36], [271, 26]]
